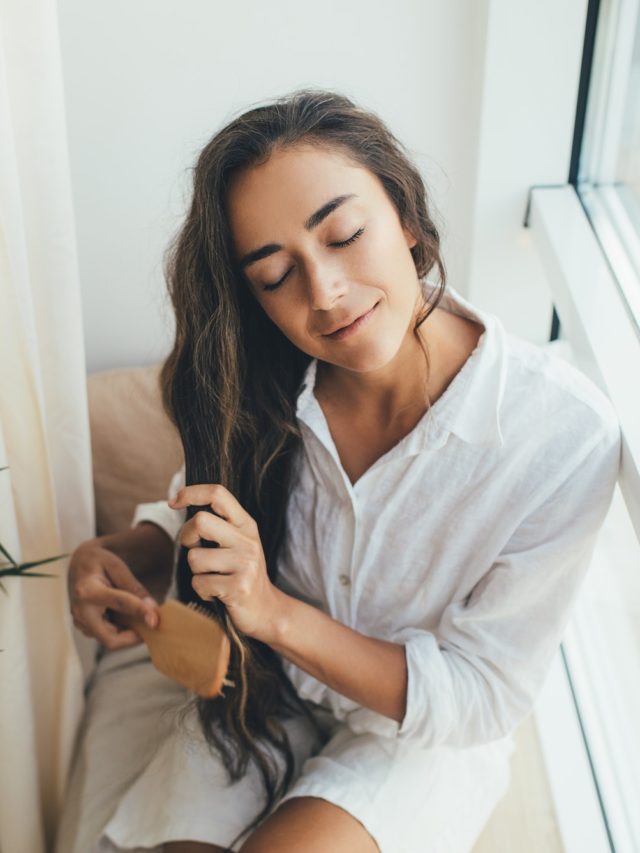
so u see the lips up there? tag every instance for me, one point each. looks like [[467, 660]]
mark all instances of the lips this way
[[344, 323]]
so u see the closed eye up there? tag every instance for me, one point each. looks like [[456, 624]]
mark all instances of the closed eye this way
[[339, 245], [350, 240]]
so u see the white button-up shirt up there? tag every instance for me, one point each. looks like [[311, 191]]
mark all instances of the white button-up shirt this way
[[467, 541]]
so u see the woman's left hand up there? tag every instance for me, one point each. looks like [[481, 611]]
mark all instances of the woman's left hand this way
[[236, 572]]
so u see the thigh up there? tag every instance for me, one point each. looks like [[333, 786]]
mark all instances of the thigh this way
[[184, 793], [313, 825], [407, 798]]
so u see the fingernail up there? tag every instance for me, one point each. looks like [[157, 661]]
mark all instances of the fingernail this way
[[150, 617]]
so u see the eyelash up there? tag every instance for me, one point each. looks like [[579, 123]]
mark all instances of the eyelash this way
[[339, 245]]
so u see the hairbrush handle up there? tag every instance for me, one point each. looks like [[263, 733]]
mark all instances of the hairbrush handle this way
[[188, 645]]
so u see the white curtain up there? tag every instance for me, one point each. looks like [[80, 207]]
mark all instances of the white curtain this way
[[46, 494]]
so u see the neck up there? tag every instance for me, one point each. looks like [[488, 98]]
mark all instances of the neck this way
[[399, 388], [403, 389]]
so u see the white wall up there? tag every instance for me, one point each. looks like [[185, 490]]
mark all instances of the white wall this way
[[460, 82], [147, 83], [531, 71]]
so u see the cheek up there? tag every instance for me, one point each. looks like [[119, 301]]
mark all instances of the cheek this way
[[395, 246], [395, 261]]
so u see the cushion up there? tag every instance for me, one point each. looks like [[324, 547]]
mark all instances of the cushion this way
[[135, 447]]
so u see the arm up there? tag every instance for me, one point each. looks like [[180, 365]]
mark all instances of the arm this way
[[116, 573], [151, 554], [347, 661], [147, 546], [148, 552], [476, 677]]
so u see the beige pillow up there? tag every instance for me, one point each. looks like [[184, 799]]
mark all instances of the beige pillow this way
[[135, 447]]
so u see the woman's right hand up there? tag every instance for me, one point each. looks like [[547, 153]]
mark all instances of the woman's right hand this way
[[98, 580]]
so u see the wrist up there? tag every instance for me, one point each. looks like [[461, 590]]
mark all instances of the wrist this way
[[147, 551], [145, 542], [278, 621]]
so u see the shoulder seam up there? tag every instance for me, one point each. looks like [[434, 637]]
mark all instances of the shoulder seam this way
[[599, 403]]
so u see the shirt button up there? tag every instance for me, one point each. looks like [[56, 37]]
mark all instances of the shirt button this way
[[345, 580]]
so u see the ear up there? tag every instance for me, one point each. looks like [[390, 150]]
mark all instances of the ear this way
[[411, 240]]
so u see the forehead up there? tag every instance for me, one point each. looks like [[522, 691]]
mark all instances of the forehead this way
[[293, 183]]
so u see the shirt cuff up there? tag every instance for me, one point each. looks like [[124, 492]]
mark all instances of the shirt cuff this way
[[430, 709], [160, 513], [427, 677]]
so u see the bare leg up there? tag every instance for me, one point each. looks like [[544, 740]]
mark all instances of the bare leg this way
[[313, 825]]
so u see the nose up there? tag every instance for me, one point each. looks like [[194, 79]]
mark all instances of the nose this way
[[325, 286]]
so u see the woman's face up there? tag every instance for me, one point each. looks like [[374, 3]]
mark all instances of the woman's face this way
[[288, 219]]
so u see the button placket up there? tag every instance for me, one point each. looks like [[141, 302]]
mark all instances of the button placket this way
[[352, 564], [337, 553]]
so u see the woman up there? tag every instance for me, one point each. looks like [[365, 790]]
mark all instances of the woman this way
[[405, 499]]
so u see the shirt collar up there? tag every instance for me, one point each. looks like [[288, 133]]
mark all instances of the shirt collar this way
[[469, 407], [472, 411]]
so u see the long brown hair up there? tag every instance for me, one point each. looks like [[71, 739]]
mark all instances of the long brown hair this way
[[231, 382]]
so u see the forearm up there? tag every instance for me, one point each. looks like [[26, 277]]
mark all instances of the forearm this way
[[369, 671], [148, 552]]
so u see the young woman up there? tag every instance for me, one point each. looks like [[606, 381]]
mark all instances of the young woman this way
[[405, 499]]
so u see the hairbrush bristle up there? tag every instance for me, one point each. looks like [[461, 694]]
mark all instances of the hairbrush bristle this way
[[200, 609]]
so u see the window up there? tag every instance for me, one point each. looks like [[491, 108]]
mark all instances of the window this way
[[608, 171], [588, 235]]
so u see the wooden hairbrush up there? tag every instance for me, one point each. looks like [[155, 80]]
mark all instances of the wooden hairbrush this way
[[188, 645]]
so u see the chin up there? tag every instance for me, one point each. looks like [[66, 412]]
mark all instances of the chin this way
[[366, 359]]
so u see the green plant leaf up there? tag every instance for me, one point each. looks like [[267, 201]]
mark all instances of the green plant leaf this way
[[38, 575], [40, 562], [21, 571], [8, 555]]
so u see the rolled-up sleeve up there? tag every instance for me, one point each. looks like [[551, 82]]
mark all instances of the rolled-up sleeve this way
[[476, 677], [160, 513]]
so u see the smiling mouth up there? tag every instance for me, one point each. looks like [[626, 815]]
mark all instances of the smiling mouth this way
[[352, 327]]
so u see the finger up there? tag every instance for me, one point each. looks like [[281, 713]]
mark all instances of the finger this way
[[204, 560], [122, 577], [217, 497], [205, 525], [98, 593], [108, 634], [120, 639], [209, 587]]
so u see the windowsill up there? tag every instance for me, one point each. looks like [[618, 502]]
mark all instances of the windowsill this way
[[594, 317], [592, 755]]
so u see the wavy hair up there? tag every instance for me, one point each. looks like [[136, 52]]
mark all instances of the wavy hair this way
[[231, 382]]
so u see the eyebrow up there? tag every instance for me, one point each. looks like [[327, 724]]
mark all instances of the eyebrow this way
[[312, 222]]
